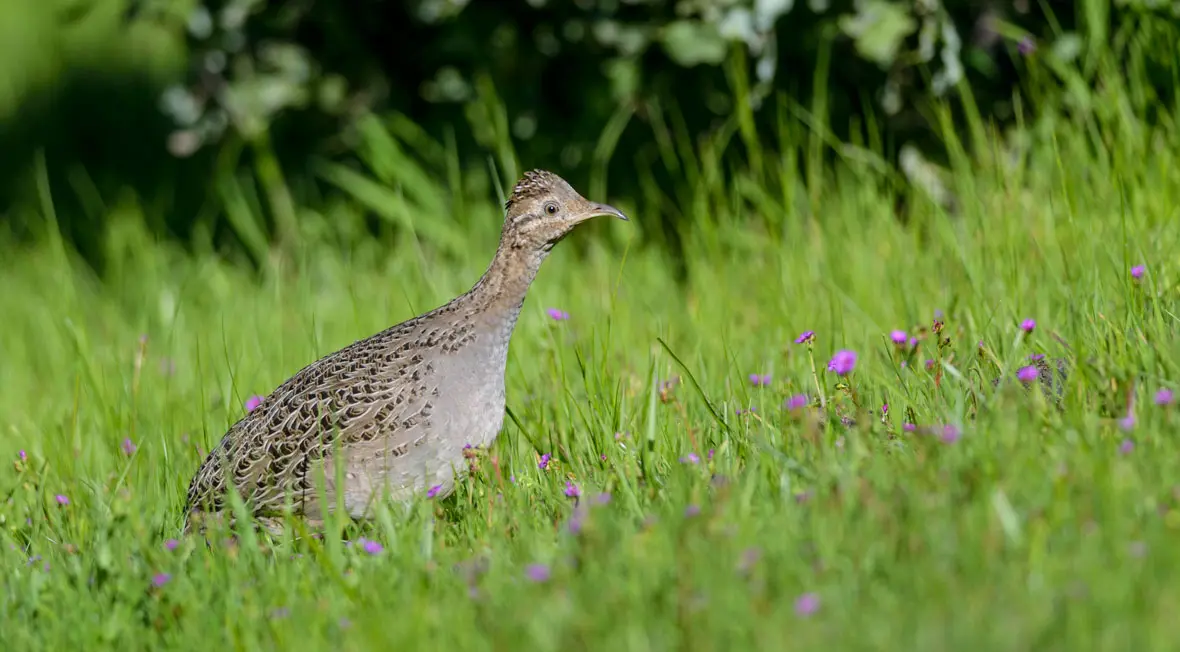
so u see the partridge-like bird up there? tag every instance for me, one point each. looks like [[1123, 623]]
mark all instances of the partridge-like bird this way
[[394, 410]]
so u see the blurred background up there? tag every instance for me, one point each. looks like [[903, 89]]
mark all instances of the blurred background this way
[[245, 127]]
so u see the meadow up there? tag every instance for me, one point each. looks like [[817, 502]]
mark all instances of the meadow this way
[[678, 470]]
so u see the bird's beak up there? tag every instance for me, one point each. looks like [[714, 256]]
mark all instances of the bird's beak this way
[[601, 210]]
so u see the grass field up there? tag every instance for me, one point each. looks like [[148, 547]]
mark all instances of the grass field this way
[[715, 512]]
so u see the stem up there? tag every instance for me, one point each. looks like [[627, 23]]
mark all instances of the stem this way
[[823, 402]]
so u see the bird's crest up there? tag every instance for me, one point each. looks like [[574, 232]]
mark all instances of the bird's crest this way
[[533, 183]]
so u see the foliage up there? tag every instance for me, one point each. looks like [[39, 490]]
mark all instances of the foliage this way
[[736, 518], [616, 95]]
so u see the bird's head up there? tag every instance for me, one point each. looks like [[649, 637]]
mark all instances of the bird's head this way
[[544, 208]]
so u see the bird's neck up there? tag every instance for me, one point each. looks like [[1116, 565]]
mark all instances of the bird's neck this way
[[499, 294]]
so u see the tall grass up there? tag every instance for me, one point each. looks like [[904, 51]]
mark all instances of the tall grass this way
[[1001, 520]]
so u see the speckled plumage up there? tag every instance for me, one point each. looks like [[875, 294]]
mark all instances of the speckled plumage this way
[[396, 409]]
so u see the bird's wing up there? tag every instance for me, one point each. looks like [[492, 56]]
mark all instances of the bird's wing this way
[[369, 389]]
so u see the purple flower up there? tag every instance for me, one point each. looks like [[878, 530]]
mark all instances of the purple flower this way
[[805, 337], [371, 547], [572, 490], [950, 434], [577, 519], [1164, 397], [537, 572], [128, 446], [602, 498], [544, 463], [929, 364], [433, 491], [160, 579], [1036, 357], [807, 604], [1137, 271], [253, 402], [23, 455], [691, 458], [843, 362], [759, 381], [1127, 423], [749, 558], [909, 427], [796, 402], [1126, 447], [1026, 46], [691, 511], [1028, 325], [884, 409], [558, 315], [61, 500], [1027, 374], [898, 336], [171, 544]]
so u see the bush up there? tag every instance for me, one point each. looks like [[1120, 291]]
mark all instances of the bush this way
[[620, 94]]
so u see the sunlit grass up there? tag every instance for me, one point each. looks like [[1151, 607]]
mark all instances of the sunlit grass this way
[[709, 514]]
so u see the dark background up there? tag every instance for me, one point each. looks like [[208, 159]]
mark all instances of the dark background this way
[[509, 85]]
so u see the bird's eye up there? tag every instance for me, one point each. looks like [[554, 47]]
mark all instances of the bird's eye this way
[[551, 208]]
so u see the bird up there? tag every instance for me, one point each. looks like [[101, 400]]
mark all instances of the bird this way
[[390, 415]]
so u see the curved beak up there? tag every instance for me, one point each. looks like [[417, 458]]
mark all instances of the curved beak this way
[[601, 210]]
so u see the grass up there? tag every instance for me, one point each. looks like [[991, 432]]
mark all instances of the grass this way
[[1035, 528]]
